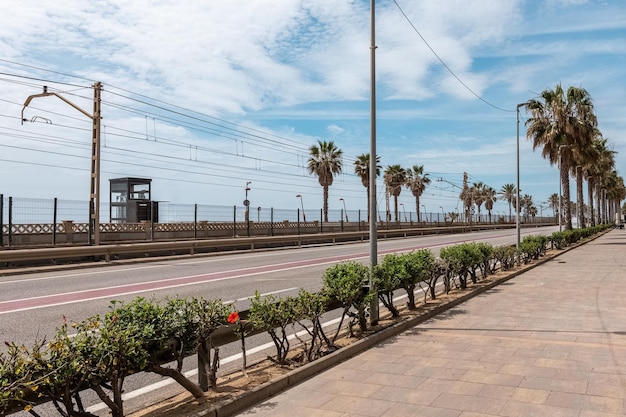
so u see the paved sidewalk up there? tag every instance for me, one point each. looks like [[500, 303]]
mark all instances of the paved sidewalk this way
[[550, 342]]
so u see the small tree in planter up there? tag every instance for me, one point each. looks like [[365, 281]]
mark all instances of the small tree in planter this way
[[419, 267], [64, 384], [310, 306], [439, 269], [273, 315], [27, 373], [109, 352], [505, 256], [169, 335], [485, 265], [463, 260], [386, 280], [346, 283], [206, 317]]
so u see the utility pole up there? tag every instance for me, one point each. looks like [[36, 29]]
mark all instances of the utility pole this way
[[94, 193], [374, 313]]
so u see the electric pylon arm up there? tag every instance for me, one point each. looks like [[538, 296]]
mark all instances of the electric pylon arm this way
[[94, 195], [46, 94]]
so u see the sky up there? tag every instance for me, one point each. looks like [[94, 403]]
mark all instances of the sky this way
[[206, 97]]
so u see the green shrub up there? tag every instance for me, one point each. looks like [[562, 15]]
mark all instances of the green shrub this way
[[20, 381], [505, 256], [387, 278], [273, 316], [462, 260], [558, 240], [346, 283], [419, 265], [486, 265], [310, 306]]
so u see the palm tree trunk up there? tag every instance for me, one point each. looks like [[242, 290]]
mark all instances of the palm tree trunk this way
[[417, 209], [598, 207], [395, 206], [590, 187], [325, 203], [567, 213], [579, 198]]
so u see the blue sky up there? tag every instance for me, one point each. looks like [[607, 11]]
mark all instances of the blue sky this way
[[206, 97]]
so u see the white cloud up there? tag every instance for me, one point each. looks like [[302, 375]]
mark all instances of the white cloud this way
[[300, 70]]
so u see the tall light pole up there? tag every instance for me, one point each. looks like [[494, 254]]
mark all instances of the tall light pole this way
[[372, 203], [246, 203], [443, 213], [302, 205], [424, 207], [517, 199], [94, 195], [404, 211], [344, 208]]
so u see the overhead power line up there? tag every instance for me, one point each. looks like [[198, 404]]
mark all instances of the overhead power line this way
[[468, 88]]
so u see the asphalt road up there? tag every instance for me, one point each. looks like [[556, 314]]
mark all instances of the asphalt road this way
[[33, 305]]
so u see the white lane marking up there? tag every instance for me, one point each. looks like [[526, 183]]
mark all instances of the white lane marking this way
[[153, 266], [211, 260], [262, 295], [278, 267]]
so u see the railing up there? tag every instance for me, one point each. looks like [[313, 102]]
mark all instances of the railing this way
[[34, 223]]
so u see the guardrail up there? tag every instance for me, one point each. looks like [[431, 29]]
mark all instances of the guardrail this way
[[11, 257]]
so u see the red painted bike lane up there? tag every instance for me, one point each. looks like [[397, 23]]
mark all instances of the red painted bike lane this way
[[106, 292]]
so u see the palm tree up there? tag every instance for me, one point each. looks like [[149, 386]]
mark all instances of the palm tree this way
[[362, 169], [508, 193], [615, 193], [553, 202], [527, 205], [395, 177], [561, 124], [416, 181], [325, 162], [478, 198], [583, 131], [595, 170], [467, 198], [489, 194]]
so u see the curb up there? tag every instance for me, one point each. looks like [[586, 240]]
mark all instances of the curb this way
[[292, 378]]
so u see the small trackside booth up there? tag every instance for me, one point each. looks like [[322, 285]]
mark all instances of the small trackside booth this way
[[131, 201]]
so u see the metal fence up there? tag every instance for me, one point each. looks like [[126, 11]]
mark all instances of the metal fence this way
[[48, 211], [34, 211]]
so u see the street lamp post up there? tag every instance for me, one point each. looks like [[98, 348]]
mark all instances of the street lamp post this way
[[443, 213], [246, 203], [302, 205], [404, 211], [344, 208], [373, 235], [517, 199], [425, 219]]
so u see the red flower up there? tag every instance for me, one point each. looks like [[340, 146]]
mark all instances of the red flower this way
[[233, 317]]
